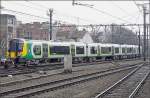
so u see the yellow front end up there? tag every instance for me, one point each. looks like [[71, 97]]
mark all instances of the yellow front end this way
[[12, 54]]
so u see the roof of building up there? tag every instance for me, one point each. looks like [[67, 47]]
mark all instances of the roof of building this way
[[8, 15], [71, 34], [78, 34]]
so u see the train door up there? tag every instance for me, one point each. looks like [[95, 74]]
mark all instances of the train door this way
[[45, 50], [113, 50], [73, 50]]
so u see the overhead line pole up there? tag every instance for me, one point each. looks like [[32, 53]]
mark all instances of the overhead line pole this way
[[144, 25], [139, 42], [112, 31], [147, 39], [50, 23], [149, 28]]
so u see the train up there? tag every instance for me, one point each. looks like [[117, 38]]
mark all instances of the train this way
[[49, 51]]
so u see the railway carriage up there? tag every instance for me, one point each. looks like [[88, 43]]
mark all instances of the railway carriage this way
[[92, 51], [135, 51], [106, 51], [57, 50], [123, 51], [129, 52], [26, 49], [78, 51], [116, 51]]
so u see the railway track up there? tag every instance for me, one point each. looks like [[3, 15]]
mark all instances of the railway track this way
[[128, 86], [49, 75], [58, 84], [45, 67], [143, 89]]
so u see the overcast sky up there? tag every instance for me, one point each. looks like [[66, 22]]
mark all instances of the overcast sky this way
[[104, 12]]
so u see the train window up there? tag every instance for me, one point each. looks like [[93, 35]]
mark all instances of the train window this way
[[45, 49], [105, 50], [15, 45], [116, 50], [80, 50], [129, 50], [59, 50], [93, 50], [37, 50], [123, 50], [134, 50]]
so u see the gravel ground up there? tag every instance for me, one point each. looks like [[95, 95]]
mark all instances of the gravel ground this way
[[77, 71], [144, 91], [55, 76], [90, 69], [51, 72], [86, 89]]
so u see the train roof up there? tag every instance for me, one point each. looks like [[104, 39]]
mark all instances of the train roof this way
[[59, 43], [76, 43], [93, 44], [106, 45]]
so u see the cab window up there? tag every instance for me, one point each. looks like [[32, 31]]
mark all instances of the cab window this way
[[15, 45]]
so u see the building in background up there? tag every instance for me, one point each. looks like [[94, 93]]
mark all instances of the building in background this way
[[60, 32], [7, 31], [73, 34], [33, 30]]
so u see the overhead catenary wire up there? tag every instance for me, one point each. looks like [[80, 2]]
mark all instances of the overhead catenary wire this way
[[37, 16], [24, 13], [106, 13], [134, 1], [124, 11], [57, 12], [31, 15], [125, 25], [120, 8], [103, 12], [79, 18]]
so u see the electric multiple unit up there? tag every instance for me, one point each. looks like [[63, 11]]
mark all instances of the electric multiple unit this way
[[29, 50]]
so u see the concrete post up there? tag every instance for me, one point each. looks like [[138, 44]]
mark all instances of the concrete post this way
[[67, 63]]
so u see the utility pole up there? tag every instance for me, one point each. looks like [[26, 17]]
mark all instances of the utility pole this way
[[144, 23], [50, 23]]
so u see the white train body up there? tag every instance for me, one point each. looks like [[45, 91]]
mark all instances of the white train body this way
[[35, 49]]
